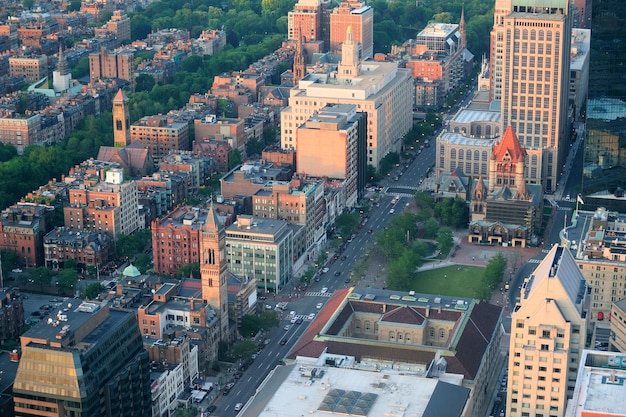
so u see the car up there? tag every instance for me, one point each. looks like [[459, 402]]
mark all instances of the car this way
[[311, 316], [344, 257], [324, 290], [230, 385], [407, 204], [288, 326], [267, 342], [283, 342], [17, 270], [211, 408], [317, 279], [347, 280], [567, 198], [254, 356], [391, 211], [369, 231], [324, 270], [299, 320], [337, 273], [238, 406], [319, 305], [293, 320]]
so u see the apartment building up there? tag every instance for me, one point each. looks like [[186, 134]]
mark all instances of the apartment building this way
[[360, 19], [176, 239], [530, 73], [32, 68], [100, 200], [597, 240], [548, 336], [261, 249], [11, 314], [85, 248], [22, 228], [305, 21], [160, 135], [112, 376], [225, 129], [380, 89], [118, 26], [342, 133], [111, 64], [299, 202]]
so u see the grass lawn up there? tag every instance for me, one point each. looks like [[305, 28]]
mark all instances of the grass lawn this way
[[459, 281]]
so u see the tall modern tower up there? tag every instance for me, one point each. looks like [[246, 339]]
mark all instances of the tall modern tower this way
[[530, 61], [121, 120], [605, 143], [213, 272], [548, 335]]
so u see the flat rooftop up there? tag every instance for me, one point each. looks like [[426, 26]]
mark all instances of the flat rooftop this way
[[298, 390], [600, 385]]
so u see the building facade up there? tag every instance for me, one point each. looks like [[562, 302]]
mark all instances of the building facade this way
[[360, 19], [69, 366], [121, 120], [261, 249], [84, 248], [111, 65], [380, 89], [530, 70], [32, 69], [548, 335], [160, 135]]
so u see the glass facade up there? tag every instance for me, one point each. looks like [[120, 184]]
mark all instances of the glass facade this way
[[605, 141]]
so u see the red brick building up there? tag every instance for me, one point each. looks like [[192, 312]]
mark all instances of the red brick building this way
[[22, 227]]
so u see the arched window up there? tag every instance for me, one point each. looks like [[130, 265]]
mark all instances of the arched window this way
[[399, 336], [456, 129], [431, 331], [533, 160], [533, 34], [468, 155], [540, 35], [488, 130], [367, 324], [407, 337], [476, 155], [484, 156], [479, 131], [525, 34], [452, 153], [442, 333], [549, 35], [391, 335], [357, 324]]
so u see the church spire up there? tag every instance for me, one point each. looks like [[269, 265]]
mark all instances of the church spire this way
[[62, 64], [462, 27], [298, 62]]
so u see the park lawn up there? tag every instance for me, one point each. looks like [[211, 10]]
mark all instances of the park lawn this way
[[459, 281]]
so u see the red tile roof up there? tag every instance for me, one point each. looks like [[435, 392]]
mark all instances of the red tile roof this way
[[509, 143]]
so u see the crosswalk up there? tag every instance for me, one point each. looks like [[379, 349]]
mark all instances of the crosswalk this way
[[317, 294], [534, 261]]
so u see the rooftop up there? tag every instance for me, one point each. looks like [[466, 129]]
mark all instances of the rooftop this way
[[314, 389], [599, 385]]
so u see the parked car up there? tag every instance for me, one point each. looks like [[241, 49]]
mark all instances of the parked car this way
[[238, 406], [319, 305], [311, 316]]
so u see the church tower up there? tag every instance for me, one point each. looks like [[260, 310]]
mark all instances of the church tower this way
[[213, 268], [121, 120], [463, 41], [350, 65], [298, 63], [506, 167], [478, 203], [61, 77]]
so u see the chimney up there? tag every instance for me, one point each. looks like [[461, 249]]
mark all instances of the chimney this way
[[428, 310], [192, 304]]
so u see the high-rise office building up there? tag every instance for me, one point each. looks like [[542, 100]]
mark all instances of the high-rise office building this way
[[305, 20], [605, 144], [87, 360], [548, 335], [530, 69]]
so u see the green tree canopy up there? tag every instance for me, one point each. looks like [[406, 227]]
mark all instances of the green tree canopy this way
[[190, 270], [93, 289]]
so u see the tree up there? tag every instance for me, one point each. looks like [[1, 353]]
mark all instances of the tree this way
[[93, 289], [431, 226], [144, 82], [243, 349], [269, 320], [445, 240], [346, 223], [234, 159], [28, 4], [74, 6], [41, 276], [187, 412], [250, 325], [494, 271], [191, 270], [67, 280], [133, 244], [143, 262]]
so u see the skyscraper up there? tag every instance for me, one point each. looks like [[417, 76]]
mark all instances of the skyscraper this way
[[213, 272], [121, 120], [530, 61], [605, 143], [548, 335]]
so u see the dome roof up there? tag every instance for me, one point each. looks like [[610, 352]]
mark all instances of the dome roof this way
[[131, 271]]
